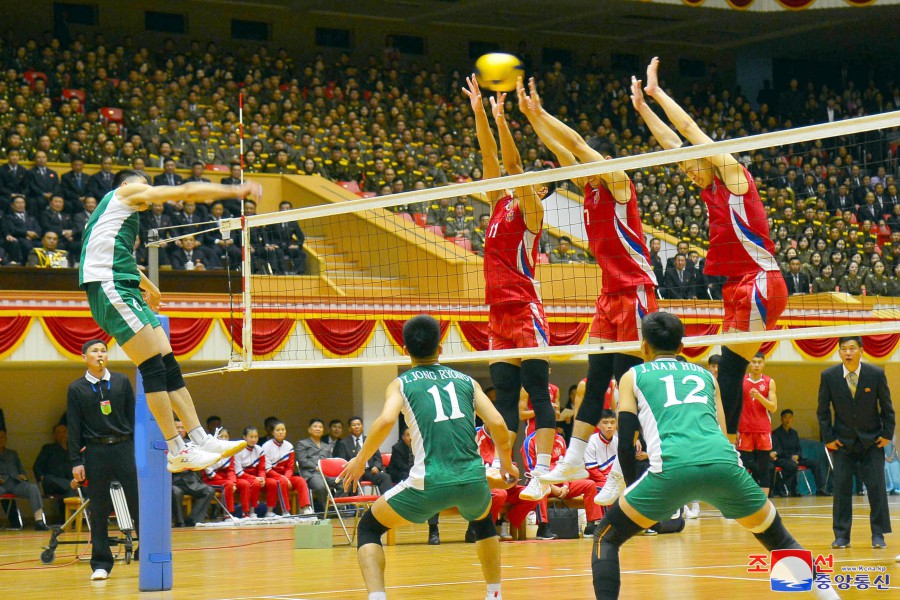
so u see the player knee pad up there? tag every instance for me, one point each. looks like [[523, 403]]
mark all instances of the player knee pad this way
[[174, 379], [369, 530], [732, 369], [536, 380], [153, 374], [622, 363], [484, 528], [600, 372], [507, 379], [614, 529], [777, 537]]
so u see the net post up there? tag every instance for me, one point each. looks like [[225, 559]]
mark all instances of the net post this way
[[247, 331], [153, 256]]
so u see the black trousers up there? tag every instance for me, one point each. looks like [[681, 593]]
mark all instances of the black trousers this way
[[103, 464], [869, 464]]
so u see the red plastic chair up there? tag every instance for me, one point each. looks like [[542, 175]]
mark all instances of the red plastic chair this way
[[332, 467], [435, 229], [386, 459], [69, 93], [30, 76], [109, 113], [543, 259], [350, 186], [803, 470], [367, 194], [463, 243], [421, 219], [407, 217]]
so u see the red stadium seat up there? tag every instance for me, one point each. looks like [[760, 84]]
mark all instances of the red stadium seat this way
[[30, 76], [367, 194], [350, 186], [543, 259], [69, 93], [421, 219], [407, 217], [218, 168], [332, 467], [435, 229], [109, 113], [463, 243]]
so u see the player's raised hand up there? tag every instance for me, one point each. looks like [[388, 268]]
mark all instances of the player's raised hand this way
[[652, 77], [250, 188], [637, 94], [152, 297], [474, 93], [352, 472], [497, 104]]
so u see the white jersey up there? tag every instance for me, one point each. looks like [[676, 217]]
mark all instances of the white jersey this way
[[600, 453], [247, 458], [277, 454]]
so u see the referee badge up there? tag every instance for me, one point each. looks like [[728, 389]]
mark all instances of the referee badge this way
[[105, 407]]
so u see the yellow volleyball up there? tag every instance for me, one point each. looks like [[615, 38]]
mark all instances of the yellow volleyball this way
[[498, 71]]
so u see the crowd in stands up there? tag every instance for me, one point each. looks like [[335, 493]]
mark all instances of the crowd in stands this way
[[388, 124]]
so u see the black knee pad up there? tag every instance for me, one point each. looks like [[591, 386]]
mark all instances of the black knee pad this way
[[483, 528], [507, 379], [536, 381], [732, 369], [615, 528], [369, 530], [600, 372], [174, 380], [153, 374], [777, 537], [623, 362]]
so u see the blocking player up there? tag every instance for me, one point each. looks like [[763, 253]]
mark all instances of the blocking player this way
[[511, 291], [616, 238], [740, 248], [439, 405], [754, 440], [678, 406], [123, 301]]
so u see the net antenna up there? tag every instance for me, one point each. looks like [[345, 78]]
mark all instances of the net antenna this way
[[246, 270], [410, 251]]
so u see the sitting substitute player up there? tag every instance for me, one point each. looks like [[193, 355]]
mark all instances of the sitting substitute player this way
[[439, 405], [677, 405]]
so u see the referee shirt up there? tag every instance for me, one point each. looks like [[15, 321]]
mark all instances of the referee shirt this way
[[98, 408]]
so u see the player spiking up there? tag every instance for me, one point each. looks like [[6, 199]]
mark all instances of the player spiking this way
[[616, 238], [678, 406], [123, 301], [511, 291], [439, 405], [740, 248]]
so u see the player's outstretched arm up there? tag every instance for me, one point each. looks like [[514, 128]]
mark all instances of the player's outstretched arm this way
[[530, 106], [485, 409], [667, 138], [529, 199], [490, 162], [141, 195], [378, 432], [730, 170]]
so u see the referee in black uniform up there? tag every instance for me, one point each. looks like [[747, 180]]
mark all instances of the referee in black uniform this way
[[101, 420]]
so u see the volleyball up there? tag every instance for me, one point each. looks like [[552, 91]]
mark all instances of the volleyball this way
[[498, 71]]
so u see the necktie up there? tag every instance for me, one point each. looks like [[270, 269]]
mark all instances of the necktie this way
[[171, 180], [356, 445], [78, 180], [796, 283], [681, 276], [852, 380]]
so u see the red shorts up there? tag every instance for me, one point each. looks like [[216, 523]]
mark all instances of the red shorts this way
[[518, 325], [748, 442], [754, 302], [618, 315]]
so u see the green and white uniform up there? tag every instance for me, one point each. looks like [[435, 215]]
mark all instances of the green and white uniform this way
[[447, 471], [108, 271], [690, 457]]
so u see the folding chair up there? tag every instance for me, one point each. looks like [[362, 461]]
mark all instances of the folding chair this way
[[804, 472], [10, 501], [779, 475], [332, 467]]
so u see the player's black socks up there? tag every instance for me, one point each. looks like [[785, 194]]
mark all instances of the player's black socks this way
[[732, 369], [622, 363], [535, 375], [776, 537], [600, 371], [507, 380]]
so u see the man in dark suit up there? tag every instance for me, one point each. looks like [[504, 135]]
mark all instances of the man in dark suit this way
[[797, 282], [787, 455], [21, 232], [75, 186], [54, 219], [656, 262], [43, 183], [101, 182], [839, 200], [168, 176], [13, 180], [194, 257], [862, 425], [288, 236], [233, 205], [350, 446], [681, 282], [871, 210]]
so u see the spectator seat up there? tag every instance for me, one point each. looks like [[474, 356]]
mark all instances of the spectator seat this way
[[112, 114], [463, 243], [421, 219], [350, 186], [435, 229]]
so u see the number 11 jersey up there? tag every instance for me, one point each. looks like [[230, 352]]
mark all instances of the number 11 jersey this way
[[677, 410], [439, 408]]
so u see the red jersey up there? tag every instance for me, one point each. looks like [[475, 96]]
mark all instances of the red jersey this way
[[616, 238], [754, 416], [529, 450], [529, 423], [485, 446], [611, 398], [510, 256], [739, 242]]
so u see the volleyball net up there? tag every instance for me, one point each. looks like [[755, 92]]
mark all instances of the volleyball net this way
[[366, 265]]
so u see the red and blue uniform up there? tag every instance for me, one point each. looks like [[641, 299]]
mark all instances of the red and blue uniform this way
[[755, 426]]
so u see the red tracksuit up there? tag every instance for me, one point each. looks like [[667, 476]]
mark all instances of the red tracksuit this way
[[222, 473], [249, 465], [280, 467]]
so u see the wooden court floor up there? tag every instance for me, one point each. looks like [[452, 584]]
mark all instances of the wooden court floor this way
[[709, 559]]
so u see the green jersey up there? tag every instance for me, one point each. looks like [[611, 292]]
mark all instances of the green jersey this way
[[107, 250], [439, 407], [677, 409]]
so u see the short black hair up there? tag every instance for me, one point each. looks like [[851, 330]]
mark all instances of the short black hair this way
[[603, 146], [248, 429], [760, 355], [127, 174], [268, 423], [608, 414], [551, 187], [565, 238], [850, 338], [663, 331], [335, 421], [316, 420], [714, 359], [89, 343], [212, 418], [354, 418], [422, 336], [787, 411]]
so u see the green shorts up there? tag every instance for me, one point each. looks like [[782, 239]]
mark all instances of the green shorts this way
[[417, 506], [728, 487], [119, 309]]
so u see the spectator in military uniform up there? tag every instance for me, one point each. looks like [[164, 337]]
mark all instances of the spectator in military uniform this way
[[460, 225], [478, 234], [48, 256], [439, 212], [564, 252]]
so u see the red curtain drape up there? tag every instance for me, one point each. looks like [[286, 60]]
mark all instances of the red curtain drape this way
[[740, 4], [816, 348], [71, 332], [11, 329], [767, 347], [340, 336], [695, 329], [794, 4], [186, 334], [882, 345], [394, 327], [268, 334], [567, 334], [475, 333]]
